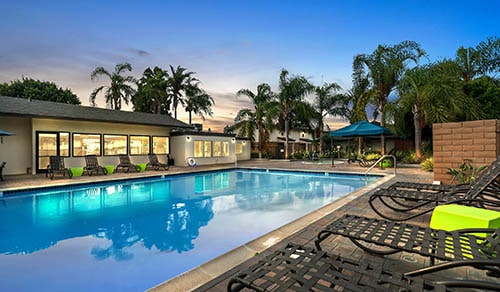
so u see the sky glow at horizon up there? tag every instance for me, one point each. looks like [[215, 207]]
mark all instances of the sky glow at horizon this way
[[229, 44]]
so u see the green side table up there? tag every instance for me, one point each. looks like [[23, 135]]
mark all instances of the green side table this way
[[454, 217], [76, 171], [110, 168]]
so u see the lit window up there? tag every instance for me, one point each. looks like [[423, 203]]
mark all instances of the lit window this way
[[198, 148], [160, 145], [64, 144], [115, 144], [139, 145], [86, 144], [217, 148], [225, 148], [207, 151], [239, 148]]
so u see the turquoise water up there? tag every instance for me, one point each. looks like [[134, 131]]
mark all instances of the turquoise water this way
[[132, 235]]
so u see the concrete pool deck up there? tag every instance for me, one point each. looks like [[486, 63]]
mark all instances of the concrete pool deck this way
[[214, 275]]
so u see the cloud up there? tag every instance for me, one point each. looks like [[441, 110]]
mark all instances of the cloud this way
[[140, 53]]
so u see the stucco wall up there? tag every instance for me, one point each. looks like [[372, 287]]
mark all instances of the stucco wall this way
[[182, 148], [478, 141], [16, 150]]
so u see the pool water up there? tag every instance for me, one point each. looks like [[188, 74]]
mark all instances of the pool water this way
[[132, 235]]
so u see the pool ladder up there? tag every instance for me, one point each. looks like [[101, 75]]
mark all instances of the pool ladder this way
[[379, 160]]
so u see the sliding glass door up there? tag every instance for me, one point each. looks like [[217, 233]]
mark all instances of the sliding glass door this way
[[50, 144]]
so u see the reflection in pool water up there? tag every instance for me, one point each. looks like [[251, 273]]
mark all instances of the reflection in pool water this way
[[130, 236]]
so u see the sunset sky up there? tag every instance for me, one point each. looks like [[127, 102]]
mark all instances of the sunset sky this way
[[229, 44]]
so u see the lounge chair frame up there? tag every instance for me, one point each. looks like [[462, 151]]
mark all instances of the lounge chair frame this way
[[155, 163], [299, 268], [92, 165], [125, 164], [408, 204], [57, 166], [2, 166], [384, 237]]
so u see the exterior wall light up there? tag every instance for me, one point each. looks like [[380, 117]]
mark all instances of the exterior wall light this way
[[188, 138], [233, 140], [244, 142]]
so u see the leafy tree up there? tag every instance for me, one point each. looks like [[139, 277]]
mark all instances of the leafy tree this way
[[249, 120], [326, 102], [198, 101], [434, 94], [179, 80], [479, 61], [152, 94], [469, 62], [486, 91], [384, 67], [120, 87], [293, 89], [40, 90]]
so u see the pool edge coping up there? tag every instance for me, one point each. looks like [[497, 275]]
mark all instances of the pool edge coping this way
[[216, 267]]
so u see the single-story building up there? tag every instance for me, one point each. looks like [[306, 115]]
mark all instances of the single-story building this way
[[44, 128]]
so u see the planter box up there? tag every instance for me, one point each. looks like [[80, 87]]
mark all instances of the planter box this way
[[141, 166], [110, 168], [76, 171]]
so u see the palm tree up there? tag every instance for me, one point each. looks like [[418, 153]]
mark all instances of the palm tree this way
[[198, 101], [152, 92], [293, 89], [434, 94], [256, 118], [327, 102], [179, 80], [469, 62], [119, 89], [385, 67]]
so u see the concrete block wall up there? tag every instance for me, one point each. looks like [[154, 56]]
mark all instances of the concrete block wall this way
[[478, 141]]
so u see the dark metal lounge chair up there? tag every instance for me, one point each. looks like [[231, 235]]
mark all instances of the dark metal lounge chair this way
[[298, 268], [406, 204], [125, 164], [155, 163], [93, 165], [384, 237], [57, 166], [2, 166], [440, 188]]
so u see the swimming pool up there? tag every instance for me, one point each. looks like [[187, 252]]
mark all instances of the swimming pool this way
[[133, 235]]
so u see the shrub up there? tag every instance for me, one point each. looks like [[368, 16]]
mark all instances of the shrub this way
[[428, 164]]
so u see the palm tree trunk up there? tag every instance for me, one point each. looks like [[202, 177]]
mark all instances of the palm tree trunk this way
[[261, 137], [418, 132], [382, 123], [189, 117], [286, 138]]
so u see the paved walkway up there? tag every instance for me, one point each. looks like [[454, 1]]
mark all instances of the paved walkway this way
[[302, 235]]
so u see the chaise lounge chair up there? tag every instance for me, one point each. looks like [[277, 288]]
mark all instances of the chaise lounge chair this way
[[92, 165], [413, 186], [298, 268], [2, 166], [125, 164], [155, 163], [57, 166], [407, 204], [384, 237]]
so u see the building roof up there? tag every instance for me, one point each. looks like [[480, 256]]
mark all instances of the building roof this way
[[13, 106]]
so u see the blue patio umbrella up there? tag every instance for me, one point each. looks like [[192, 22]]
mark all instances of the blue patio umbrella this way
[[361, 128], [4, 133]]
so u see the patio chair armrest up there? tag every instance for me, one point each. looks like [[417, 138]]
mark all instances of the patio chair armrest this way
[[455, 264], [476, 230]]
